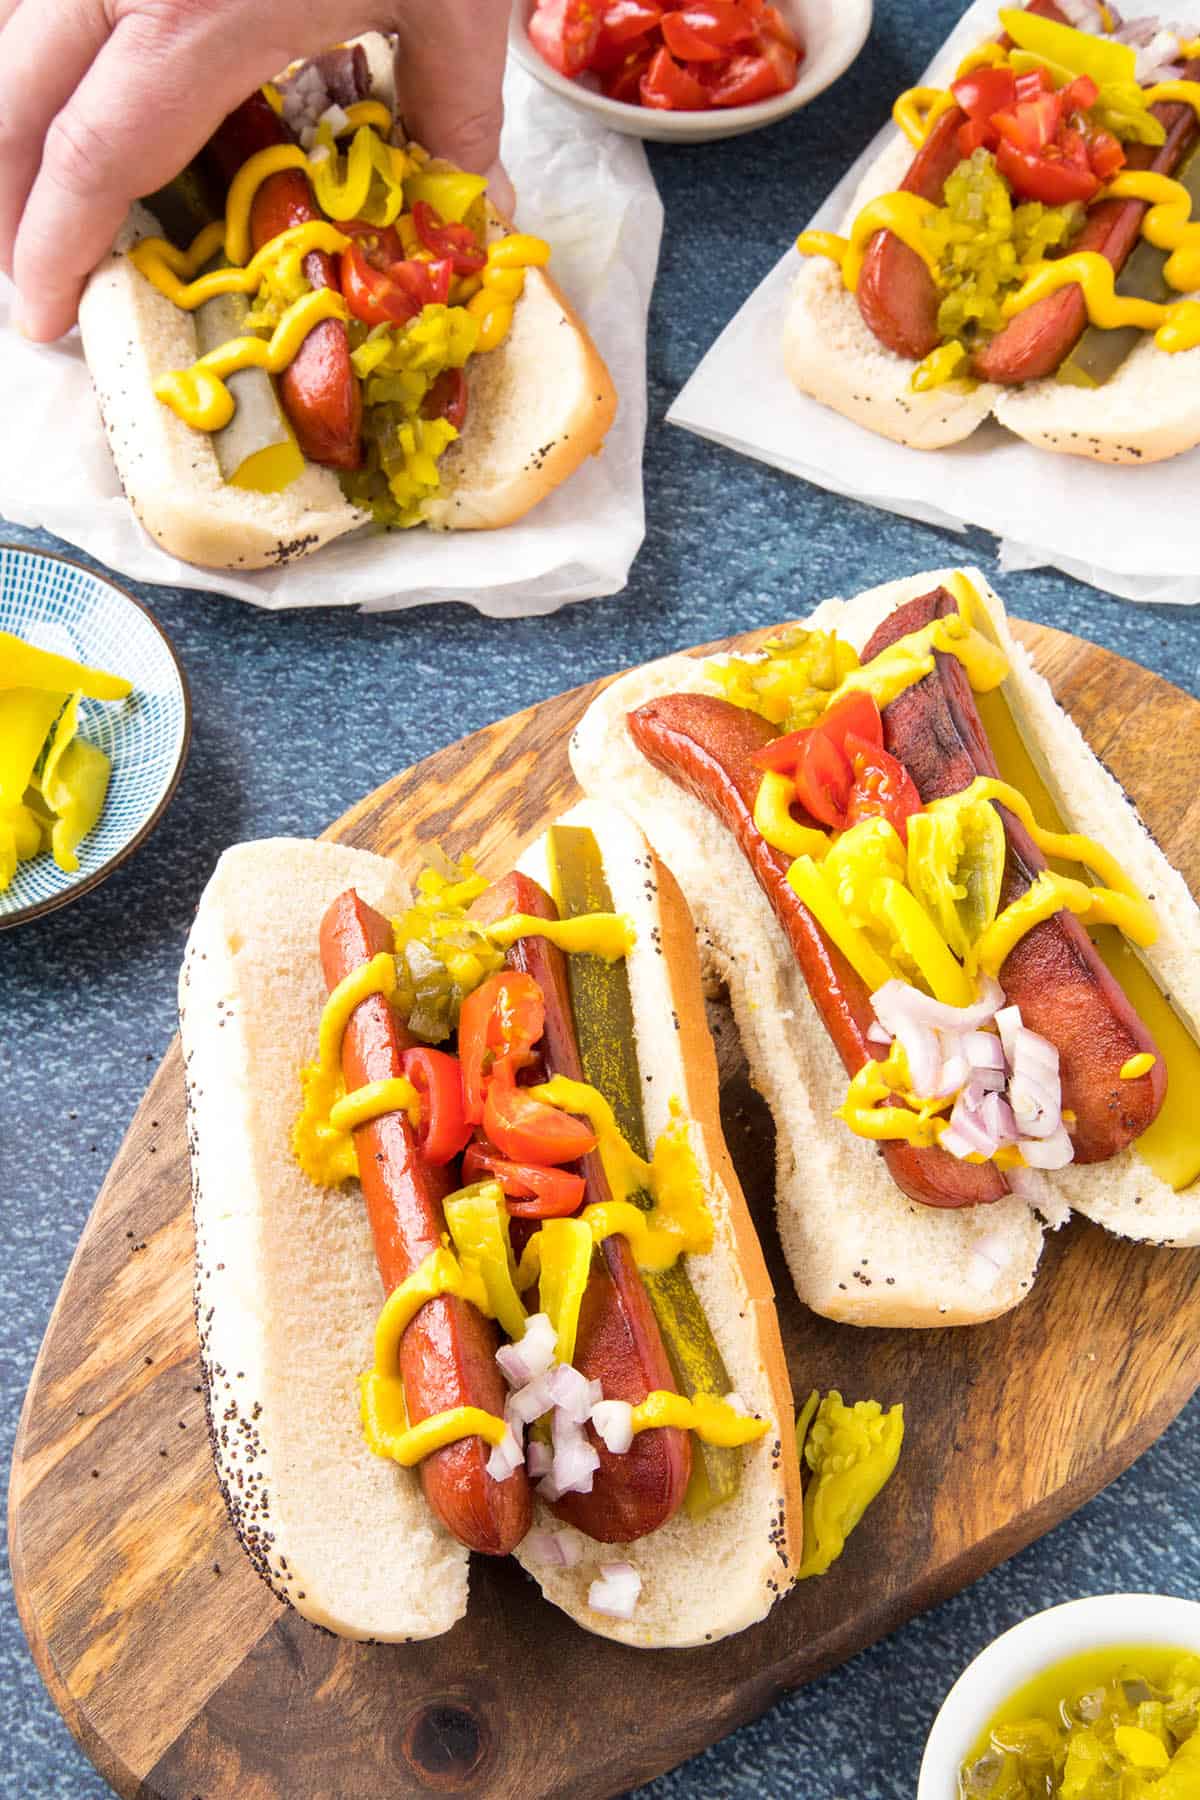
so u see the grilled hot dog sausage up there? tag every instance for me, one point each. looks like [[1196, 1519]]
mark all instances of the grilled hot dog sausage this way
[[618, 1342], [706, 745], [319, 389], [447, 1356], [1054, 973]]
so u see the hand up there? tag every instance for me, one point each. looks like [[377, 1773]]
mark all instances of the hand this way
[[105, 100]]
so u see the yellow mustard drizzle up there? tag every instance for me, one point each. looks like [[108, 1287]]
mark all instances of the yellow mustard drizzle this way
[[919, 1121], [501, 284], [609, 935], [199, 396], [381, 1389], [713, 1420], [242, 189], [918, 110], [1168, 225], [395, 1094], [903, 214], [174, 272], [325, 1154], [910, 659], [273, 98], [1137, 1066], [679, 1223]]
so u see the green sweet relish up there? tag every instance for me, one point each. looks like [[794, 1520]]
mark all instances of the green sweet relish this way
[[1115, 1724]]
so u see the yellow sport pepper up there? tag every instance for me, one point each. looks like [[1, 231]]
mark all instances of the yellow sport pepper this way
[[478, 1221], [851, 1452], [24, 665]]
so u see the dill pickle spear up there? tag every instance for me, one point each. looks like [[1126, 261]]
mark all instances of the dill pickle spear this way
[[1099, 353], [605, 1030]]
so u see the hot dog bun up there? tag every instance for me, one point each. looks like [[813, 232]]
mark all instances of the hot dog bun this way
[[1148, 411], [287, 1290], [539, 405], [858, 1249]]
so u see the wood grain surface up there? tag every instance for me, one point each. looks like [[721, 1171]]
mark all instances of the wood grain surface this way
[[183, 1677]]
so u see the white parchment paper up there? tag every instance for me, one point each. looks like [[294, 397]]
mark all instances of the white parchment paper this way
[[591, 194], [1133, 531]]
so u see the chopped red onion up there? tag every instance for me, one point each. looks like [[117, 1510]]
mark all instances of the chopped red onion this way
[[1053, 1152], [575, 1460], [616, 1592], [317, 153], [983, 1050], [967, 1129], [572, 1393], [878, 1034], [538, 1458], [1036, 1105], [997, 1117], [897, 1000], [556, 1549], [506, 1457], [1084, 15], [955, 1073], [335, 117], [613, 1420]]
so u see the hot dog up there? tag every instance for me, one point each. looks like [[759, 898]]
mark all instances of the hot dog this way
[[387, 1427], [917, 874], [403, 322], [1021, 259]]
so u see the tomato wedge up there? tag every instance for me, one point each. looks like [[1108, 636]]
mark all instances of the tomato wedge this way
[[707, 30], [456, 242], [855, 712], [625, 83], [624, 28], [393, 295], [745, 79], [986, 91], [532, 1192], [444, 1128], [526, 1130], [498, 1026], [380, 244], [883, 787], [1054, 180], [566, 32]]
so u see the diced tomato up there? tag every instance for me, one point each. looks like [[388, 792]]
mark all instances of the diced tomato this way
[[670, 87], [1055, 181], [1031, 125], [746, 79], [1080, 95], [498, 1026], [883, 787], [624, 30], [565, 32], [625, 83], [773, 23], [447, 399], [1106, 154], [457, 242], [706, 30], [976, 134], [438, 1080], [532, 1192], [526, 1130], [985, 91], [1033, 82], [380, 244]]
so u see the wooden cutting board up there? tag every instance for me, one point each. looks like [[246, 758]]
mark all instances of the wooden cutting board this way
[[183, 1677]]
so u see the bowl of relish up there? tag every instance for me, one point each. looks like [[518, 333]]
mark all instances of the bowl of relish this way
[[1095, 1700]]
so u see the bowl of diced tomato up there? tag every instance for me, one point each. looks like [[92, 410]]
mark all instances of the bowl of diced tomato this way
[[687, 71]]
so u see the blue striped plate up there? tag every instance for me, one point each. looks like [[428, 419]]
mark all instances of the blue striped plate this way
[[61, 606]]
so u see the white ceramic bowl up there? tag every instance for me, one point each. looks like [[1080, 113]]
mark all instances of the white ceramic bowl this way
[[832, 31], [1036, 1644]]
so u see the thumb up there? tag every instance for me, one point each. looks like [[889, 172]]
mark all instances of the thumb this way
[[449, 74]]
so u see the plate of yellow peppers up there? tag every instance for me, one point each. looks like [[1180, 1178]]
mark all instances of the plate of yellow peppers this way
[[94, 728]]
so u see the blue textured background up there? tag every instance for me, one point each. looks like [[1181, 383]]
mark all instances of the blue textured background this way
[[297, 715]]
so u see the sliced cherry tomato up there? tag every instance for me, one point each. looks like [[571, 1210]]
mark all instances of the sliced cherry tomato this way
[[380, 244], [565, 32], [457, 242], [1054, 180], [625, 83], [976, 134], [670, 87], [823, 780], [883, 787], [532, 1192], [394, 295], [498, 1026], [447, 399], [1032, 83], [526, 1130], [855, 712], [745, 79], [985, 91], [1031, 125], [706, 30], [773, 24], [1105, 154], [437, 1078]]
